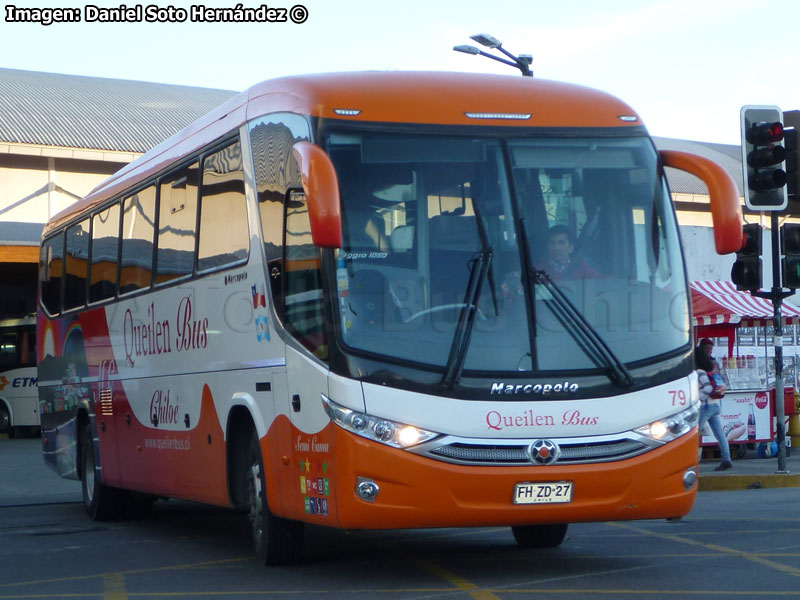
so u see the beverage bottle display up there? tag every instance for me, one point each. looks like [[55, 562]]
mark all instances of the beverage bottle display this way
[[751, 424]]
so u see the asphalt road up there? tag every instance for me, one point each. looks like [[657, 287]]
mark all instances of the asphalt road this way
[[733, 544]]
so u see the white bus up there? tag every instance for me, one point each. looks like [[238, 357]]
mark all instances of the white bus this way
[[19, 395], [331, 301]]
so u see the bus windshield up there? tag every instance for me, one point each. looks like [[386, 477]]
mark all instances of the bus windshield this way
[[422, 214]]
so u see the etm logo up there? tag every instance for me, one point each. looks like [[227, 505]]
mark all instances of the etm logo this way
[[17, 382]]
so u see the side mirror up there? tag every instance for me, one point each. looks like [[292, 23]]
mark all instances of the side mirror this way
[[321, 187], [726, 208]]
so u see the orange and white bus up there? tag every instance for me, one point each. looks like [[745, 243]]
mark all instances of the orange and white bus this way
[[329, 301], [19, 398]]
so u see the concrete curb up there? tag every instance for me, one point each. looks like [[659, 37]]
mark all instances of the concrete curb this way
[[718, 483]]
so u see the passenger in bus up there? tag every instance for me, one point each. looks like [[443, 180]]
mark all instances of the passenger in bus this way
[[560, 263]]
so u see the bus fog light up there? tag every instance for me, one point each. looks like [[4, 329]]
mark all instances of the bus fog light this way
[[367, 489], [689, 478]]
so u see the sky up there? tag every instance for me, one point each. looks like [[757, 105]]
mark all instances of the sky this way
[[685, 66]]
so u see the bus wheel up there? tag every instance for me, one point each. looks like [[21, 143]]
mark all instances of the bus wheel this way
[[5, 419], [540, 536], [100, 501], [276, 540]]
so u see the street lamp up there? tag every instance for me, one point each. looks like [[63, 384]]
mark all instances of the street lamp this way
[[521, 62]]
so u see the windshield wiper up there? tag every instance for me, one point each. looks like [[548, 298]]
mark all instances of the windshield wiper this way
[[466, 320], [584, 334], [582, 331], [485, 245]]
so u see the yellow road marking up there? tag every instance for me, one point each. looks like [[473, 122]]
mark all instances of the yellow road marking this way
[[458, 581], [196, 565], [114, 587], [752, 557]]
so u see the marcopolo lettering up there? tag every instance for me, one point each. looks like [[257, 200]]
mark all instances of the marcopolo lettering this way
[[543, 389]]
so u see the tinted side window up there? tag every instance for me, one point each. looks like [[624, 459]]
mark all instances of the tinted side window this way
[[138, 219], [276, 171], [51, 268], [224, 237], [77, 265], [9, 350], [17, 348], [303, 304], [105, 243], [177, 221]]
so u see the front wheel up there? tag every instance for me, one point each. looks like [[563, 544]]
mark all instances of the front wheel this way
[[540, 536], [277, 541], [5, 420], [100, 501]]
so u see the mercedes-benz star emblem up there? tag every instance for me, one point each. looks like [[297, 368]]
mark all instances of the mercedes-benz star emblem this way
[[544, 452]]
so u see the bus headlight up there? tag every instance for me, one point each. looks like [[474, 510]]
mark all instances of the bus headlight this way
[[670, 428], [385, 431]]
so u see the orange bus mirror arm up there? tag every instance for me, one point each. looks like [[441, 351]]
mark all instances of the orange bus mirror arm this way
[[726, 207], [321, 187]]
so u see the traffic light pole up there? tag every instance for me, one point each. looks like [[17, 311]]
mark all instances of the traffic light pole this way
[[777, 295], [777, 299]]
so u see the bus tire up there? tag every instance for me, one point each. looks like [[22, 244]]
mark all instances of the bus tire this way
[[5, 420], [276, 541], [100, 501], [540, 536]]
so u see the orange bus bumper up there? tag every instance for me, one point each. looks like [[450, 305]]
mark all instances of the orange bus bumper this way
[[421, 492]]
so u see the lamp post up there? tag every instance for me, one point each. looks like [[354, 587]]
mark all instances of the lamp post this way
[[521, 62]]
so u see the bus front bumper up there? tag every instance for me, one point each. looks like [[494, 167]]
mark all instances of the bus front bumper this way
[[415, 491]]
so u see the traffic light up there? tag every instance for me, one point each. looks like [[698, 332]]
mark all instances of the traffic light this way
[[746, 271], [763, 156], [791, 122], [792, 163], [790, 247]]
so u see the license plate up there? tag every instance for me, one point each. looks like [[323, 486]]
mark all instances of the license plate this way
[[543, 493]]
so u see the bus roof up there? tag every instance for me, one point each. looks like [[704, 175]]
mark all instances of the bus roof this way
[[379, 96]]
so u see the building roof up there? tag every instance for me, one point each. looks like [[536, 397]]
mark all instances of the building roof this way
[[728, 157], [13, 233], [73, 111]]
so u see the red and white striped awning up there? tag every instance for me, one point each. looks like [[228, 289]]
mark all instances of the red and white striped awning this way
[[719, 302]]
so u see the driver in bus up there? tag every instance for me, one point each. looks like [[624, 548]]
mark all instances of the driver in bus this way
[[560, 263]]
